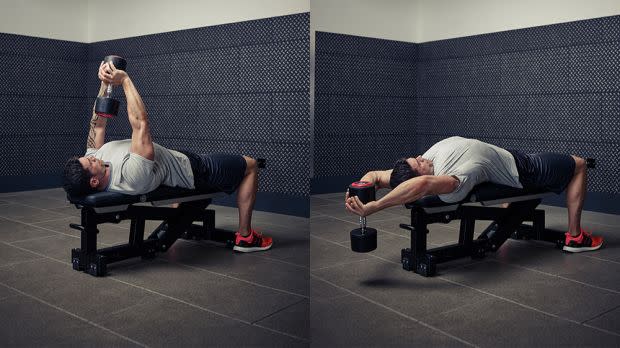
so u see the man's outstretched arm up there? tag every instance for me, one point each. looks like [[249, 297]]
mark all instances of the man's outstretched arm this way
[[141, 141], [96, 133], [381, 178], [408, 191]]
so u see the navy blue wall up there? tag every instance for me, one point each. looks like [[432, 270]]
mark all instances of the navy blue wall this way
[[239, 88], [549, 88], [42, 94], [364, 107]]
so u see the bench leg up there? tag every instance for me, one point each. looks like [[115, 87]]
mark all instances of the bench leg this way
[[82, 257]]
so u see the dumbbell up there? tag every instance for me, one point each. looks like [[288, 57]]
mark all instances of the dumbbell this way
[[106, 106], [363, 239]]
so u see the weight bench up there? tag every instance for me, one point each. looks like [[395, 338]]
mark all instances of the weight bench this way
[[102, 207], [507, 223]]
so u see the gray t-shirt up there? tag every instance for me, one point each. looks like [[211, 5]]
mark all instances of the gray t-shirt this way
[[472, 162], [131, 173]]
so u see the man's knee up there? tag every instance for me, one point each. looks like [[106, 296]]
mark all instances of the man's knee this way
[[580, 164], [251, 165]]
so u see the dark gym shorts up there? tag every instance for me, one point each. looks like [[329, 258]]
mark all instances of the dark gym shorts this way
[[222, 172], [547, 171]]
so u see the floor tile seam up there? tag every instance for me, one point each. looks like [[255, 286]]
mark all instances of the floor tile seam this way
[[585, 322], [141, 301], [198, 243], [486, 299], [330, 298], [302, 339], [601, 259], [38, 208], [201, 308], [528, 306], [11, 264], [555, 276], [161, 295], [76, 316], [53, 220], [44, 228], [233, 278], [339, 265], [279, 311], [397, 312], [544, 245], [33, 239]]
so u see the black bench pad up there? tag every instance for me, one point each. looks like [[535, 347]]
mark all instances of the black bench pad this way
[[107, 199], [481, 193]]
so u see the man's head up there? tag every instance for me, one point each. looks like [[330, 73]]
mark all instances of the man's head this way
[[407, 168], [83, 175]]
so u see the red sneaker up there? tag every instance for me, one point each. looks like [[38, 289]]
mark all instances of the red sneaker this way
[[583, 242], [253, 242]]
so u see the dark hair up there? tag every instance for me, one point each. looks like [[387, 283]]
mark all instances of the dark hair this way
[[402, 172], [76, 180]]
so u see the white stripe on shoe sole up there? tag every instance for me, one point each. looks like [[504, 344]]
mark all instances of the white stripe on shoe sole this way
[[249, 249], [581, 249]]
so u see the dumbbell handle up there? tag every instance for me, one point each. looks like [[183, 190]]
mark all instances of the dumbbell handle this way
[[363, 224], [108, 91]]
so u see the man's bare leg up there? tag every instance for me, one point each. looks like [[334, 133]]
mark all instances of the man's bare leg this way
[[246, 196], [575, 195]]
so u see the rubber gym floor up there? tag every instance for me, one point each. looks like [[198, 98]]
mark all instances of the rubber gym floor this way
[[528, 294], [196, 294]]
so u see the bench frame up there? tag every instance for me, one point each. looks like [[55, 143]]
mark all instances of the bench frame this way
[[507, 223], [177, 223]]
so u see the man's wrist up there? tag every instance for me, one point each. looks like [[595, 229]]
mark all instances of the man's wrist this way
[[373, 207], [125, 81]]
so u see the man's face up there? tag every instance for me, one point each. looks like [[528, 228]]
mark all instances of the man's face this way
[[420, 165], [95, 167]]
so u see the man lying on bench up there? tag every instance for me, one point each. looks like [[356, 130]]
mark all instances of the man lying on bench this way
[[452, 167], [139, 165]]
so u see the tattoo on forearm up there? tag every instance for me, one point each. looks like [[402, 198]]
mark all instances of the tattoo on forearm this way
[[91, 133]]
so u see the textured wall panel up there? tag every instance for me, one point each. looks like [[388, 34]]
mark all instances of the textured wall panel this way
[[364, 104], [42, 76], [550, 88], [594, 68], [42, 103]]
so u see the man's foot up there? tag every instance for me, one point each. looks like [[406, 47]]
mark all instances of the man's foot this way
[[583, 242], [253, 242]]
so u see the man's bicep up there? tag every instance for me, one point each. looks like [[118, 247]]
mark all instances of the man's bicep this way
[[141, 142]]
